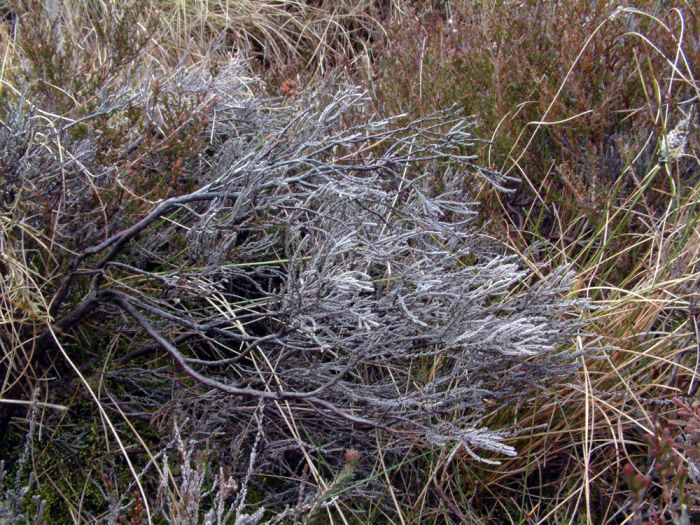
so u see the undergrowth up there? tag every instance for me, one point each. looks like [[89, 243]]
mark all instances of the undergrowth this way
[[590, 167]]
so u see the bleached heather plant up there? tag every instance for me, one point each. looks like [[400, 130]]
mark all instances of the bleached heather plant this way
[[205, 498], [308, 262], [17, 504]]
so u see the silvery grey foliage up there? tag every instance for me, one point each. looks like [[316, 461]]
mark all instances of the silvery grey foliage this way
[[17, 504], [220, 501], [318, 266]]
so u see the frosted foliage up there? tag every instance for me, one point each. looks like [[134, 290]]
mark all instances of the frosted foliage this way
[[312, 269]]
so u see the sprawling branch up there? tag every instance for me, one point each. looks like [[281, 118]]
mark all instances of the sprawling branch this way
[[310, 397]]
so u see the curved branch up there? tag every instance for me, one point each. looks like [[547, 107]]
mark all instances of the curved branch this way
[[231, 389], [118, 240]]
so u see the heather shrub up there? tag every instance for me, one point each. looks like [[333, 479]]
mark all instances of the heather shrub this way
[[572, 94], [287, 293]]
